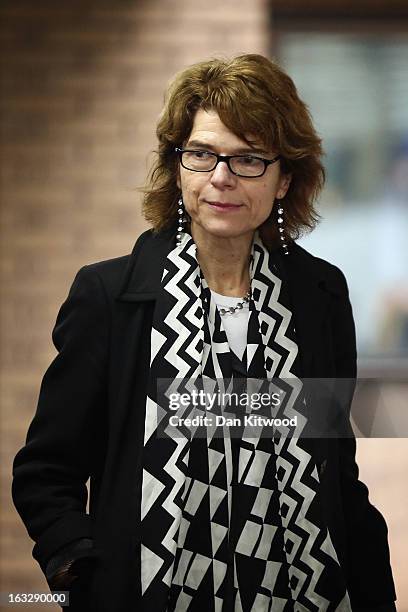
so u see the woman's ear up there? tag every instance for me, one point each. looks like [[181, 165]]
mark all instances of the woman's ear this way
[[283, 186]]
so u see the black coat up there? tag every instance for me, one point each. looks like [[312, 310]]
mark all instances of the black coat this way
[[90, 423]]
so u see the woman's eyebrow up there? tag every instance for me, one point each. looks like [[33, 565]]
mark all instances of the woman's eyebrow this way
[[240, 151]]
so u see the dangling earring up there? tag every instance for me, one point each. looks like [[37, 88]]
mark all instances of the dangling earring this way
[[281, 230], [181, 221]]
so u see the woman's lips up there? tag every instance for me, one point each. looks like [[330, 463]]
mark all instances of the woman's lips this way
[[224, 206]]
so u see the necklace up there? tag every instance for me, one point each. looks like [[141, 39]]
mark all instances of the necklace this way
[[239, 306]]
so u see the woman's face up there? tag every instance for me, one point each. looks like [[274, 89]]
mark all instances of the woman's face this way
[[207, 194]]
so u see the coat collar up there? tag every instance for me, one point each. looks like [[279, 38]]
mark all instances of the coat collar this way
[[144, 270], [309, 281]]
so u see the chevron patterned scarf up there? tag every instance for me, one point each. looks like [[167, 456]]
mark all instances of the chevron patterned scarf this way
[[230, 525]]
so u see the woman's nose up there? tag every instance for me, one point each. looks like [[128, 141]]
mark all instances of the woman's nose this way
[[222, 176]]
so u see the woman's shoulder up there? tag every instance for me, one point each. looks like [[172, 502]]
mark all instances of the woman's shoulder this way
[[117, 272], [307, 265], [109, 271]]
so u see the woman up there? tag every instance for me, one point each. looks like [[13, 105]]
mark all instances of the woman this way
[[218, 289]]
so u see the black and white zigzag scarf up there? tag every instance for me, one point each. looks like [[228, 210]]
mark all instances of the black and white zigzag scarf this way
[[230, 525]]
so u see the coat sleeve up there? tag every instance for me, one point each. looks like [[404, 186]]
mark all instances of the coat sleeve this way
[[50, 472], [370, 582]]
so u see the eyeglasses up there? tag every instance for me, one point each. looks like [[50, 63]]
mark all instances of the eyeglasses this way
[[249, 166]]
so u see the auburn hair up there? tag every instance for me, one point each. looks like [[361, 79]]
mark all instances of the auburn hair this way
[[252, 96]]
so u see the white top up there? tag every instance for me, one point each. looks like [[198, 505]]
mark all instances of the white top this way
[[236, 324]]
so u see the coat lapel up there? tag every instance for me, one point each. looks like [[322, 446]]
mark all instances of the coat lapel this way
[[310, 303]]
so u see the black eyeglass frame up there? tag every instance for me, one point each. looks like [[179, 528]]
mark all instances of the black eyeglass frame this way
[[226, 159]]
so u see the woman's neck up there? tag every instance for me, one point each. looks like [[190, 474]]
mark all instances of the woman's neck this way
[[224, 261]]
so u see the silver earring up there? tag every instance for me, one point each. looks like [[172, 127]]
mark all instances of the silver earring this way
[[282, 231], [181, 221]]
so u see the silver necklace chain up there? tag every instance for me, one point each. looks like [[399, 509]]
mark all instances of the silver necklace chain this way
[[239, 306]]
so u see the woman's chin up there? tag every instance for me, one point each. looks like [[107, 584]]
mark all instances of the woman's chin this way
[[221, 230]]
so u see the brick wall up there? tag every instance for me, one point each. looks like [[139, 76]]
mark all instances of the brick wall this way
[[82, 88]]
